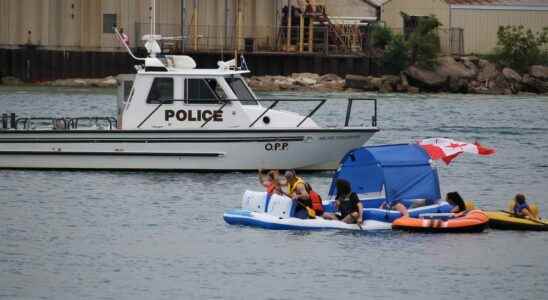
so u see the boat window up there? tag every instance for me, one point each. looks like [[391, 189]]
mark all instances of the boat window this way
[[128, 86], [203, 91], [161, 91], [242, 92]]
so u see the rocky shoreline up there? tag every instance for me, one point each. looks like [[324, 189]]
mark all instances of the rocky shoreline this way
[[451, 75]]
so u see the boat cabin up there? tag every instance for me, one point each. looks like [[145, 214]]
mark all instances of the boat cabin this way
[[170, 93]]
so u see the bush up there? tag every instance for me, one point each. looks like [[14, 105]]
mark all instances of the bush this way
[[424, 42], [518, 48], [396, 55], [381, 36]]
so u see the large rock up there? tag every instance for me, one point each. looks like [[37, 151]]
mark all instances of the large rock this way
[[389, 83], [10, 80], [427, 79], [330, 86], [107, 82], [511, 75], [458, 85], [448, 66], [259, 84], [305, 79], [534, 84], [374, 83], [488, 70], [355, 81], [329, 77], [540, 72]]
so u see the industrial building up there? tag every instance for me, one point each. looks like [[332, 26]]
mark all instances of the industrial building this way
[[200, 25], [478, 20]]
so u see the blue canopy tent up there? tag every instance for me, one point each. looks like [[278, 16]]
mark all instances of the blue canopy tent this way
[[387, 173]]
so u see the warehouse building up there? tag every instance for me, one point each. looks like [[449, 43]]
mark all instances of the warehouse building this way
[[204, 24], [469, 26]]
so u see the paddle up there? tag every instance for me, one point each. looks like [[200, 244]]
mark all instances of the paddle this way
[[311, 213], [357, 223], [532, 220]]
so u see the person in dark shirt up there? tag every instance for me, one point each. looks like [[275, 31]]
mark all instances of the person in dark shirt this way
[[453, 198], [349, 207]]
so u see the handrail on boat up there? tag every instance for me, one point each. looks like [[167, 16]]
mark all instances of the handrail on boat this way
[[321, 102], [275, 102], [72, 123], [27, 123]]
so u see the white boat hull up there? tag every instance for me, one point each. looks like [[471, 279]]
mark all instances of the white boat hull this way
[[231, 149]]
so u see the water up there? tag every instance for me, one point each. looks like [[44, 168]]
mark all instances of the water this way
[[145, 235]]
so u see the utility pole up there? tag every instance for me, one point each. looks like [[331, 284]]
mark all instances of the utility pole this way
[[226, 25], [183, 17], [289, 17]]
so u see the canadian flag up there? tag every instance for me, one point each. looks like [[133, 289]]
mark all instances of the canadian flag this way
[[448, 149]]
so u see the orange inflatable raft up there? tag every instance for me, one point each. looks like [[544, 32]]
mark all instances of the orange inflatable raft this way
[[473, 221]]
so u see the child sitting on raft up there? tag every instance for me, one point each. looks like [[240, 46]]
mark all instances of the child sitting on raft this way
[[349, 207], [522, 209], [268, 179]]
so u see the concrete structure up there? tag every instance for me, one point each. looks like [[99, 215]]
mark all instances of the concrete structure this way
[[479, 19]]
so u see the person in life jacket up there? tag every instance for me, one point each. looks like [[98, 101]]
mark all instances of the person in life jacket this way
[[297, 192], [522, 209], [268, 179], [315, 200]]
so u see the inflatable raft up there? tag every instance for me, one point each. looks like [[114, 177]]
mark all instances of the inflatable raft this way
[[268, 221], [473, 221], [278, 212], [507, 221]]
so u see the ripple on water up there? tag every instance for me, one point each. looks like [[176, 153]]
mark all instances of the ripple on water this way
[[161, 235]]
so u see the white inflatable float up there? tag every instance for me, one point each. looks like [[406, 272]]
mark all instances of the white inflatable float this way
[[276, 212]]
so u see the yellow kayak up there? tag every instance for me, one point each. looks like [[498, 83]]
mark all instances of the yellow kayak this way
[[506, 221]]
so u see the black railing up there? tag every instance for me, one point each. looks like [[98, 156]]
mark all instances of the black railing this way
[[32, 123], [35, 123]]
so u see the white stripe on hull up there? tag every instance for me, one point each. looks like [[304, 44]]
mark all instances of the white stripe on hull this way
[[228, 150]]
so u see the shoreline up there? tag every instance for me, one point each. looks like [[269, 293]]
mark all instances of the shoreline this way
[[462, 75]]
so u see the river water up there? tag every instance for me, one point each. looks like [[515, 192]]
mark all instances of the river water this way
[[154, 235]]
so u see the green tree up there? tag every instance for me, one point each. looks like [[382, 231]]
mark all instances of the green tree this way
[[381, 36], [396, 55], [424, 41], [519, 48]]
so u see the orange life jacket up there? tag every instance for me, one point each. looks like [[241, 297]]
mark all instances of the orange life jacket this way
[[315, 200]]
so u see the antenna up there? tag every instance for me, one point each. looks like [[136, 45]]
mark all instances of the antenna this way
[[153, 19]]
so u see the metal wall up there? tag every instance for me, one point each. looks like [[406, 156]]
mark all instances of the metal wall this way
[[76, 24], [391, 11], [481, 25]]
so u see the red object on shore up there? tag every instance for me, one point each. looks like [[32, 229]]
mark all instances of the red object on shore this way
[[473, 221], [448, 149]]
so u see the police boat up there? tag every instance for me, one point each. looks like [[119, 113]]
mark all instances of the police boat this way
[[174, 116]]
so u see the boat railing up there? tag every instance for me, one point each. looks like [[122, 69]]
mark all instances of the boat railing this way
[[275, 102], [47, 123], [320, 102]]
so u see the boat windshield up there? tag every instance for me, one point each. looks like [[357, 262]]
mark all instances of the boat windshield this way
[[242, 92]]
